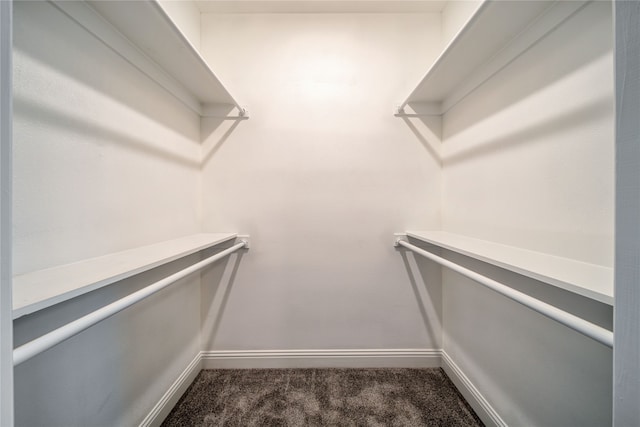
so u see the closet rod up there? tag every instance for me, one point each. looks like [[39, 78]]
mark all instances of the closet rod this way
[[576, 323], [33, 348]]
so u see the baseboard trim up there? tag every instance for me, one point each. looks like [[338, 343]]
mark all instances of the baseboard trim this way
[[358, 358], [166, 403], [480, 405], [341, 358]]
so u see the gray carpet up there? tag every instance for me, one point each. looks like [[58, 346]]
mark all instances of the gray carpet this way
[[322, 397]]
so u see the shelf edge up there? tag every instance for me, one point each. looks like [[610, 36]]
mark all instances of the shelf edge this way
[[533, 32], [32, 307], [95, 24], [521, 270]]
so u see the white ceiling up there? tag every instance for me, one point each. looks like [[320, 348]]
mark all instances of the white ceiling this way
[[320, 6]]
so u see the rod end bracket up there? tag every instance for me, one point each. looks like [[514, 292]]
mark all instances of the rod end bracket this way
[[246, 239], [243, 112], [399, 237]]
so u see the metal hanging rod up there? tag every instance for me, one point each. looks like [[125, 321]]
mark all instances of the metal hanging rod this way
[[576, 323], [33, 348]]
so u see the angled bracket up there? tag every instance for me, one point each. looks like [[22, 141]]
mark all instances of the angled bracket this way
[[428, 109]]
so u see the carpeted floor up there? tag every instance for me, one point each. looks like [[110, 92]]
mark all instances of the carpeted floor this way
[[322, 397]]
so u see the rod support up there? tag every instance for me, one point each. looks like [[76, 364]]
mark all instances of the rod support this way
[[245, 239]]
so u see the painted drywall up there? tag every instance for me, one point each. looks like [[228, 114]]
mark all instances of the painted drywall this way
[[115, 372], [186, 15], [104, 160], [528, 161], [528, 157], [320, 177], [454, 15]]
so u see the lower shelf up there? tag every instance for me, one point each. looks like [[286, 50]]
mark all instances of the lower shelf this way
[[589, 280], [43, 288]]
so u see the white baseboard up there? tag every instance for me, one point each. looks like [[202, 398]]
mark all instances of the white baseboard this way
[[358, 358], [166, 403], [480, 405]]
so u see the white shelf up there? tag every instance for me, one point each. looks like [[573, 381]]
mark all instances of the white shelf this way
[[496, 34], [143, 34], [589, 280], [41, 289]]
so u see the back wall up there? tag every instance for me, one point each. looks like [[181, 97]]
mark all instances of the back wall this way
[[321, 176]]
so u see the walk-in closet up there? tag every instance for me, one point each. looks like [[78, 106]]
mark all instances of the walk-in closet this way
[[296, 212]]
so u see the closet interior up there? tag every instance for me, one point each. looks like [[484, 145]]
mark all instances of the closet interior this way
[[299, 154]]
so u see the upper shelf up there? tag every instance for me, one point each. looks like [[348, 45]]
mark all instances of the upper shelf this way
[[44, 288], [144, 35], [496, 34], [589, 280]]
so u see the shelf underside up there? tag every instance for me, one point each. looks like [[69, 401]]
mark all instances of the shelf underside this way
[[496, 34]]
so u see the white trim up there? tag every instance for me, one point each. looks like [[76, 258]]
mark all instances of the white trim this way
[[37, 290], [166, 403], [6, 135], [480, 405], [626, 352], [341, 358]]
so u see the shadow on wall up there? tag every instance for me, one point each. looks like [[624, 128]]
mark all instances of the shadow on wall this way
[[47, 36], [425, 279], [95, 133], [115, 368], [511, 352], [596, 312], [582, 40], [214, 133], [428, 130], [566, 121], [217, 283]]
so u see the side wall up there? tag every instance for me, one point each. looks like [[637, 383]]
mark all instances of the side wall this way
[[528, 161], [105, 160], [321, 176]]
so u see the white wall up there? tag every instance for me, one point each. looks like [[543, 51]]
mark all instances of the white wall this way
[[105, 160], [454, 15], [528, 157], [321, 176], [528, 161], [186, 15]]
